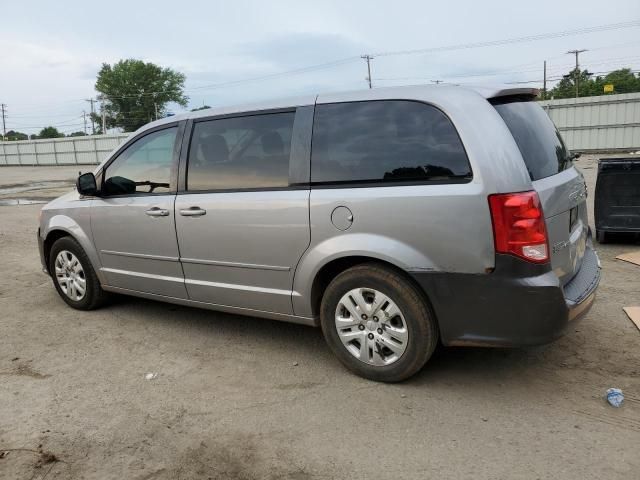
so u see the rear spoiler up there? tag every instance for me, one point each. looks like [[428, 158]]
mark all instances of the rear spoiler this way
[[506, 94], [517, 92]]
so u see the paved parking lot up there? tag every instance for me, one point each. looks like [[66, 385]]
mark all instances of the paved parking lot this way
[[240, 397]]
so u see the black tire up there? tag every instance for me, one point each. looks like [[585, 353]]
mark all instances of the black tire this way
[[601, 236], [420, 322], [94, 296]]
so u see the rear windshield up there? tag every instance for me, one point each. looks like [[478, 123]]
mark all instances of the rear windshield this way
[[538, 139]]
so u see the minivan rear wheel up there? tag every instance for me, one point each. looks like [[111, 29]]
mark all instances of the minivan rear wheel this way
[[73, 276], [378, 323]]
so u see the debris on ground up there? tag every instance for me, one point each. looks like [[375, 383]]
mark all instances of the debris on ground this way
[[631, 257], [295, 364], [150, 376], [634, 315], [615, 397]]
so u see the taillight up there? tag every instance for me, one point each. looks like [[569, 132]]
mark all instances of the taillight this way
[[518, 226]]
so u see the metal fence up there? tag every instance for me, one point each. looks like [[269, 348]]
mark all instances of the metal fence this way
[[598, 124], [87, 150]]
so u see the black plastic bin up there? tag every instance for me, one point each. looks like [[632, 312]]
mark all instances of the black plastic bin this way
[[617, 202]]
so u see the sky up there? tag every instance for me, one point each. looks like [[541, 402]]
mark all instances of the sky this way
[[233, 51]]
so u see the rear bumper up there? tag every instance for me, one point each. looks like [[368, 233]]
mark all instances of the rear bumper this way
[[518, 304]]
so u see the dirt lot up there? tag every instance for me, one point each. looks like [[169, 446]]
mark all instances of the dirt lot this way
[[240, 397]]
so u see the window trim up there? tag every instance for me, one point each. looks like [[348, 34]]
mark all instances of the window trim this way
[[173, 176], [184, 157], [378, 183]]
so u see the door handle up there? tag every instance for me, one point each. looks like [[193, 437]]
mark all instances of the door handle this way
[[157, 212], [193, 212]]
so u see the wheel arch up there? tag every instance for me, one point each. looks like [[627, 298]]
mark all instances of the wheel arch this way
[[335, 254], [338, 265], [59, 226], [49, 240]]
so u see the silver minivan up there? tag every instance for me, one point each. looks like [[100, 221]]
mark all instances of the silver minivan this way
[[393, 218]]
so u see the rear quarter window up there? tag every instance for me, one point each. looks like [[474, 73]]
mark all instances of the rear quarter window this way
[[385, 141], [538, 139]]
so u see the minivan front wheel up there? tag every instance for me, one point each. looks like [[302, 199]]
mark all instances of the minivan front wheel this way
[[73, 275], [378, 323]]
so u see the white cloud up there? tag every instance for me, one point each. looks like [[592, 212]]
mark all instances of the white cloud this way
[[49, 56]]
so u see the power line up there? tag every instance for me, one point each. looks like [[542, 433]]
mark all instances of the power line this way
[[560, 77], [553, 70], [528, 38], [346, 60], [310, 68]]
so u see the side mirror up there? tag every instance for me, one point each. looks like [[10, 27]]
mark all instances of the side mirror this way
[[86, 184]]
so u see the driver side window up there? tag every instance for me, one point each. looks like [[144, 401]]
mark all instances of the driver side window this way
[[144, 166]]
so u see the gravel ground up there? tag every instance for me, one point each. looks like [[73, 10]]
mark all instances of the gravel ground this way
[[243, 398]]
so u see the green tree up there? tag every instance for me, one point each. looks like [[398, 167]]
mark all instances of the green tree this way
[[50, 132], [623, 81], [13, 135], [566, 88], [203, 107], [133, 93], [77, 134]]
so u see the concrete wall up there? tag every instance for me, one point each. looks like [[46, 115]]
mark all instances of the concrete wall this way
[[598, 124], [86, 150]]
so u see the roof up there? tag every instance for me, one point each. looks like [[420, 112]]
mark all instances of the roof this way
[[416, 91]]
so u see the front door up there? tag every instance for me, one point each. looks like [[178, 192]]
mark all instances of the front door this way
[[241, 227], [133, 222]]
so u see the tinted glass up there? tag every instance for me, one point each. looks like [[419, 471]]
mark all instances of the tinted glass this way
[[240, 152], [144, 167], [385, 141], [538, 139]]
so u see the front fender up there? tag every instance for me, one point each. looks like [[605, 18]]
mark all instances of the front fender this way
[[78, 226], [378, 247]]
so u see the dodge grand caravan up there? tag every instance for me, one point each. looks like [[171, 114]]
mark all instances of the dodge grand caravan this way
[[392, 218]]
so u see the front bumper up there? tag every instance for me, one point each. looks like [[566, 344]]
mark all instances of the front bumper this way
[[43, 261], [518, 304]]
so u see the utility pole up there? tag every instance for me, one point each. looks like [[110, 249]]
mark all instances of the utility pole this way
[[93, 125], [4, 125], [368, 58], [577, 71], [104, 122], [84, 118], [156, 107], [544, 81]]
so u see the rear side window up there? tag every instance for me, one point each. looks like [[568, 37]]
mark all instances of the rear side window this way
[[385, 141], [240, 153], [537, 137]]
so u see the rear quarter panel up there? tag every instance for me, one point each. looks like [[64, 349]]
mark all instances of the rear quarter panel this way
[[425, 228]]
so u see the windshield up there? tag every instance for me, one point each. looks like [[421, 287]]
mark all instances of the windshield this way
[[538, 139]]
